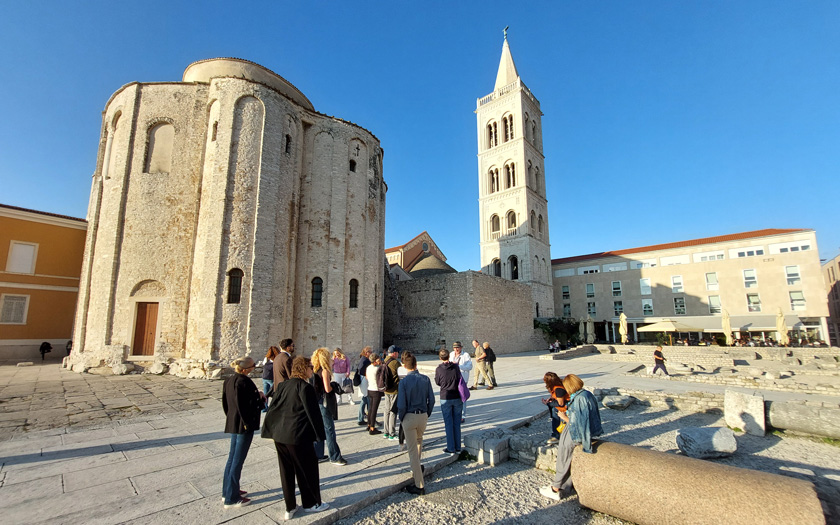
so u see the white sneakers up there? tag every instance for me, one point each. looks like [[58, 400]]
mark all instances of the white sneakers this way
[[549, 493], [318, 507], [291, 513]]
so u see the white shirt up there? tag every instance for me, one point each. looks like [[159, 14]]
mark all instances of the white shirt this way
[[464, 363]]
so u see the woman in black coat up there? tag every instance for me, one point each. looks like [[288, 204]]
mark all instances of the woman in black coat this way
[[242, 403], [294, 422]]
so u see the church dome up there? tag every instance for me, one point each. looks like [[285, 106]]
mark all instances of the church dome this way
[[430, 265]]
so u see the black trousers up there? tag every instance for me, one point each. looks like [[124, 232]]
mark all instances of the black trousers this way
[[375, 397], [299, 461]]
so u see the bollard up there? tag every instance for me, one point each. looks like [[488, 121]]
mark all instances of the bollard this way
[[649, 487]]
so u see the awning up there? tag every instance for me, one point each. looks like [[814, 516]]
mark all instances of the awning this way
[[740, 323]]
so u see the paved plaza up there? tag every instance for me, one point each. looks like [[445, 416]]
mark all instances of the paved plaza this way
[[81, 448]]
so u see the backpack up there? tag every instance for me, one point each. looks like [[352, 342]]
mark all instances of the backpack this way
[[490, 355], [381, 377]]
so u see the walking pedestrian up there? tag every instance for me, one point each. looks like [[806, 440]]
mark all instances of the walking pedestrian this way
[[659, 361], [481, 370], [490, 364], [294, 422], [341, 370], [283, 362], [241, 402], [447, 376], [415, 401]]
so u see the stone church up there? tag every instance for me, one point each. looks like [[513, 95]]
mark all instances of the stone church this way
[[226, 213]]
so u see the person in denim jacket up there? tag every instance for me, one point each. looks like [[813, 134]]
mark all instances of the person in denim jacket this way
[[583, 422]]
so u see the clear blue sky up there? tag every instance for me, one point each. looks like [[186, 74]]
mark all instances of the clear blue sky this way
[[664, 120]]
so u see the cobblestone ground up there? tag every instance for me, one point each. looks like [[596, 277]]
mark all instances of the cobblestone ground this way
[[44, 397]]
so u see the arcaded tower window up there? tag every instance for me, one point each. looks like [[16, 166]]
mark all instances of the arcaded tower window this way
[[288, 143], [494, 226], [496, 268], [514, 267], [353, 166], [354, 293], [235, 286], [317, 291]]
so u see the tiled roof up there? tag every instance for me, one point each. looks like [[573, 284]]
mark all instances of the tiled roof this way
[[42, 213], [395, 248], [680, 244]]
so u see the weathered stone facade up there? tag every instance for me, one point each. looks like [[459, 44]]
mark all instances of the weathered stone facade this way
[[441, 309], [222, 201]]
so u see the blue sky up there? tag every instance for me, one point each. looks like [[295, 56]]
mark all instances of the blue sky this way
[[663, 120]]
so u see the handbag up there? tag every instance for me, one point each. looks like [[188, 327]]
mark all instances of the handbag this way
[[462, 388], [347, 385]]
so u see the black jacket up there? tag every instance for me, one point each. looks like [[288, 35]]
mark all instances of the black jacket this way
[[242, 404], [446, 376], [294, 417]]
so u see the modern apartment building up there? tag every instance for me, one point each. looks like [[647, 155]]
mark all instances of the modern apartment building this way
[[750, 275], [40, 264], [831, 273]]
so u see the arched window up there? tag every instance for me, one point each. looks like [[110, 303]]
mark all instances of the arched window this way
[[492, 134], [533, 222], [534, 131], [496, 268], [507, 122], [354, 293], [513, 262], [159, 152], [288, 143], [317, 291], [235, 286], [536, 272], [547, 271], [494, 180], [538, 309], [495, 226], [537, 179], [530, 175], [510, 175], [527, 122], [540, 226], [511, 220], [353, 166]]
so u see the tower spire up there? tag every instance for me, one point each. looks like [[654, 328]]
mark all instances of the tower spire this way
[[507, 69]]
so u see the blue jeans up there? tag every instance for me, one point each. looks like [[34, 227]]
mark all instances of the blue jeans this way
[[451, 410], [329, 429], [268, 384], [363, 404], [239, 445]]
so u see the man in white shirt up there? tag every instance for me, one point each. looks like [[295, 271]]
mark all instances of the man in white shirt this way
[[464, 362]]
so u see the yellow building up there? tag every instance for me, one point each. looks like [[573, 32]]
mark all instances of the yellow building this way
[[750, 275], [40, 264]]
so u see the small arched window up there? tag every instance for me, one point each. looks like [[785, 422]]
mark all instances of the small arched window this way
[[496, 268], [353, 166], [537, 271], [317, 291], [235, 286], [159, 152], [513, 261], [511, 220], [494, 180], [537, 179], [547, 271], [540, 225], [495, 225], [354, 293], [538, 309], [510, 175], [527, 123], [288, 143], [492, 134], [532, 222], [508, 124], [534, 131]]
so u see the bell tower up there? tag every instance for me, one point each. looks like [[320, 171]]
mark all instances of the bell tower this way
[[511, 186]]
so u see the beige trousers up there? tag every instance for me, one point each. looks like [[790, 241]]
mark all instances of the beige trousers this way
[[414, 425]]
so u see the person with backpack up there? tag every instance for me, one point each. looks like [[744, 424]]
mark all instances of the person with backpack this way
[[375, 389], [489, 362], [392, 380], [481, 370], [360, 380]]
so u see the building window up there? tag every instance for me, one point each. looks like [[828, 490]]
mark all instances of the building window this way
[[511, 221], [711, 281], [538, 309], [644, 285], [514, 267], [235, 286], [354, 293], [616, 288], [676, 284], [492, 135], [13, 309], [508, 124], [590, 309], [647, 306], [494, 180], [510, 175], [288, 144], [495, 226], [797, 301], [618, 307], [22, 256], [566, 293], [353, 166], [532, 224], [792, 273], [750, 280], [753, 302], [159, 150], [537, 179], [567, 310], [590, 290], [317, 291], [496, 267], [714, 304], [751, 253], [540, 226], [679, 305]]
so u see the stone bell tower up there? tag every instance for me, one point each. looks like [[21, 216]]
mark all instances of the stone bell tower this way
[[511, 186]]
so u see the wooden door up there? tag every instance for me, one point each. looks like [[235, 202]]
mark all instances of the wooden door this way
[[144, 329]]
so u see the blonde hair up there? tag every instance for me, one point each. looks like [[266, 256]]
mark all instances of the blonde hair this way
[[572, 383], [339, 352], [366, 351], [486, 344], [242, 364], [300, 365], [321, 359]]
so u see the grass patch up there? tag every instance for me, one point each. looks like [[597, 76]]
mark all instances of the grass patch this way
[[466, 456], [736, 429], [831, 441]]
